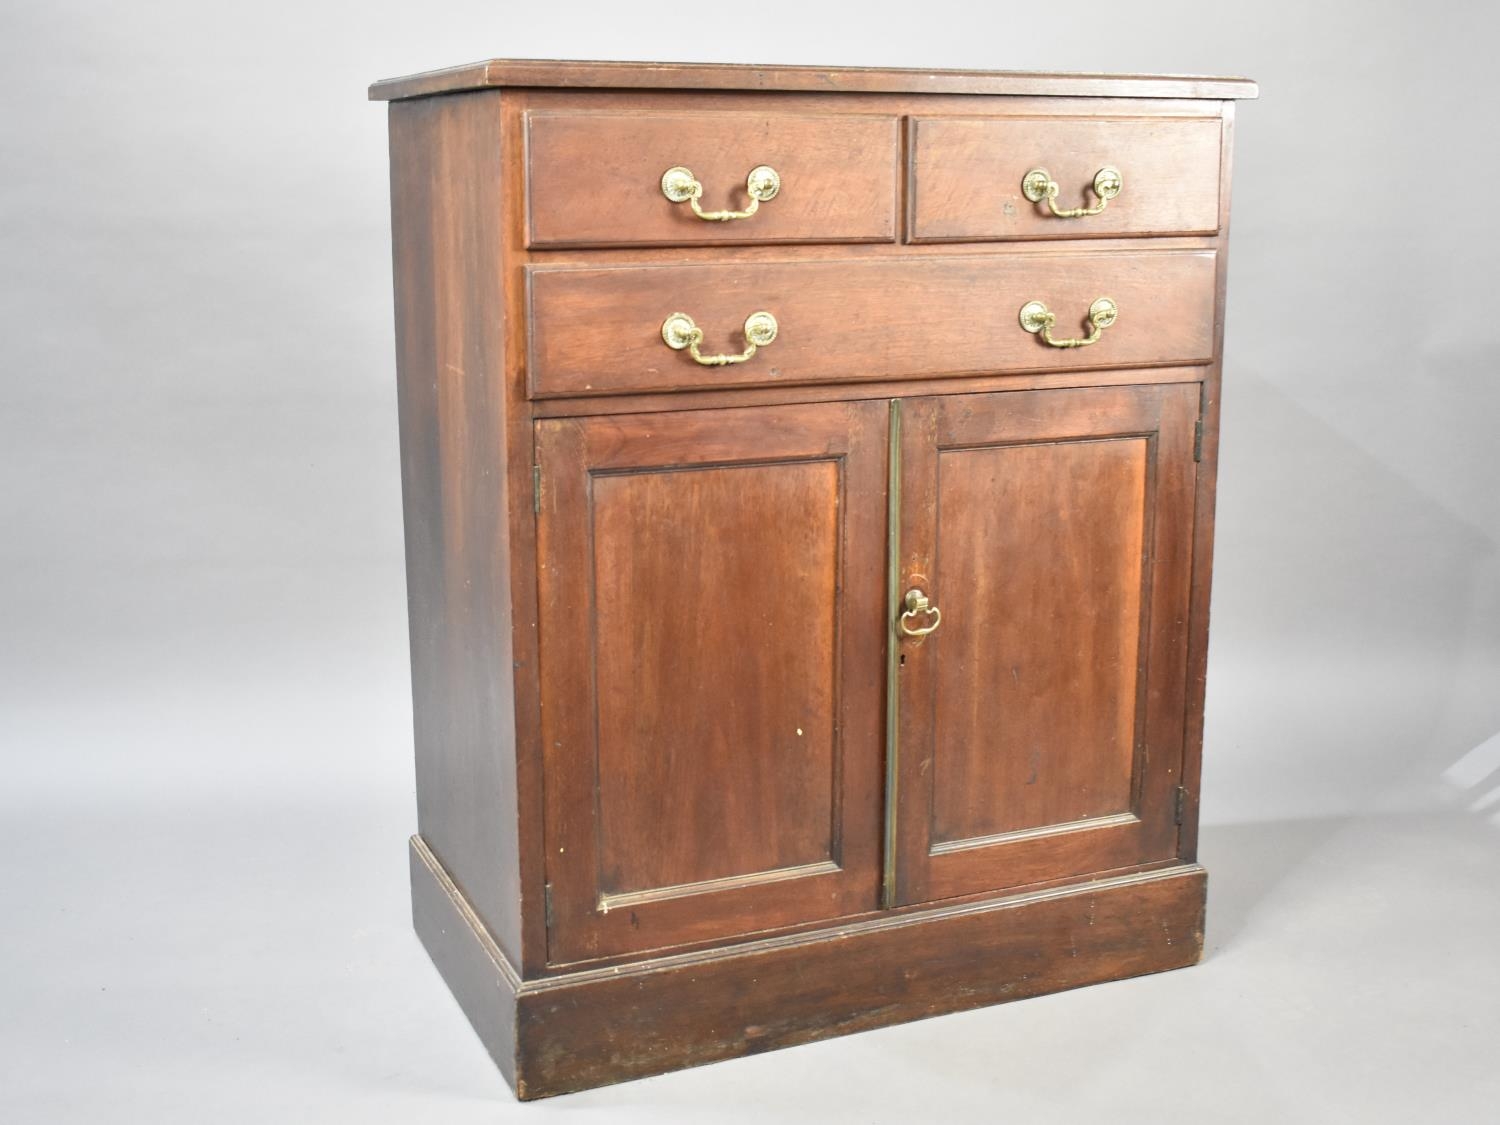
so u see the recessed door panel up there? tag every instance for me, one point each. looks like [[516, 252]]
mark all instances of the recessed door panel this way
[[1040, 725], [1037, 724], [715, 690], [711, 653]]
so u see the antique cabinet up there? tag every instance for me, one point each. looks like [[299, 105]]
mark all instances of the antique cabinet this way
[[809, 484]]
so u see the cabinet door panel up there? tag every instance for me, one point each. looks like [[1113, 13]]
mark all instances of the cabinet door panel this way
[[711, 651], [1044, 541], [1040, 727], [674, 728]]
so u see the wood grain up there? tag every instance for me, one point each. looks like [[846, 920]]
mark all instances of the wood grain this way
[[586, 1029], [852, 392], [1059, 693], [598, 331], [1040, 546], [715, 632], [517, 487], [1203, 527], [711, 662], [824, 80], [607, 1026], [595, 178], [478, 973], [446, 175], [626, 863], [966, 176]]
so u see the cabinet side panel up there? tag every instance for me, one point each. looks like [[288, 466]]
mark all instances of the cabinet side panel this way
[[446, 179], [1203, 523]]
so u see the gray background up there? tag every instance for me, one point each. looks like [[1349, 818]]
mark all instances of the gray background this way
[[204, 709]]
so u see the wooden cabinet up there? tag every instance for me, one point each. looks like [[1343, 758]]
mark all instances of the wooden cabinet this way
[[808, 543]]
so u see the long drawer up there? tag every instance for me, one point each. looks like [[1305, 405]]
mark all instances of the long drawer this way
[[607, 331], [1106, 177], [614, 179]]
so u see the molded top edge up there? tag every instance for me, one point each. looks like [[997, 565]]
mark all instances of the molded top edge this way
[[861, 80]]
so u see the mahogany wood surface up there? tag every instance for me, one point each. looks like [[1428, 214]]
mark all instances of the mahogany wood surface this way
[[594, 179], [481, 977], [966, 176], [693, 399], [1203, 528], [1040, 726], [519, 485], [643, 102], [711, 665], [586, 1029], [598, 331], [665, 813], [1042, 730], [446, 175], [826, 80]]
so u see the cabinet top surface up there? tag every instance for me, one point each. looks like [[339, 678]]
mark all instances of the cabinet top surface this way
[[496, 73]]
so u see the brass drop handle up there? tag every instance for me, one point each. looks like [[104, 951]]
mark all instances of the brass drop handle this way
[[679, 331], [919, 605], [1037, 318], [680, 186], [1039, 185]]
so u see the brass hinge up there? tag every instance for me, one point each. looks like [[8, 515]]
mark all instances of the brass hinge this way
[[536, 489], [1198, 440], [1181, 803], [547, 904]]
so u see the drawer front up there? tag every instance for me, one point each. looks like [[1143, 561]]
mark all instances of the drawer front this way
[[596, 179], [600, 331], [967, 179]]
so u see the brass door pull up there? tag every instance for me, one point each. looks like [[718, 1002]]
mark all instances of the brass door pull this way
[[1039, 185], [1037, 318], [679, 332], [681, 186], [918, 605]]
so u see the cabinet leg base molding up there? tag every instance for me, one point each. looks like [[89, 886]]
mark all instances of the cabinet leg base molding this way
[[575, 1031]]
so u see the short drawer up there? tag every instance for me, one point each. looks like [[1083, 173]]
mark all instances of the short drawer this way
[[601, 331], [969, 177], [600, 179]]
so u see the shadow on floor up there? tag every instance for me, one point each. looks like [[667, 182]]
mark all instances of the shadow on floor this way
[[1245, 864]]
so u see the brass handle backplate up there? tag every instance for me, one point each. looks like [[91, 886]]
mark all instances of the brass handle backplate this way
[[679, 332], [917, 605], [680, 186], [1040, 320], [1039, 185]]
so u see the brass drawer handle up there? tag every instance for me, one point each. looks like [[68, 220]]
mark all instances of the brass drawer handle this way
[[1039, 185], [681, 186], [919, 605], [1040, 320], [679, 332]]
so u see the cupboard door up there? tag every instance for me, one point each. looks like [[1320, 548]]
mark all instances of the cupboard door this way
[[712, 638], [1041, 724]]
